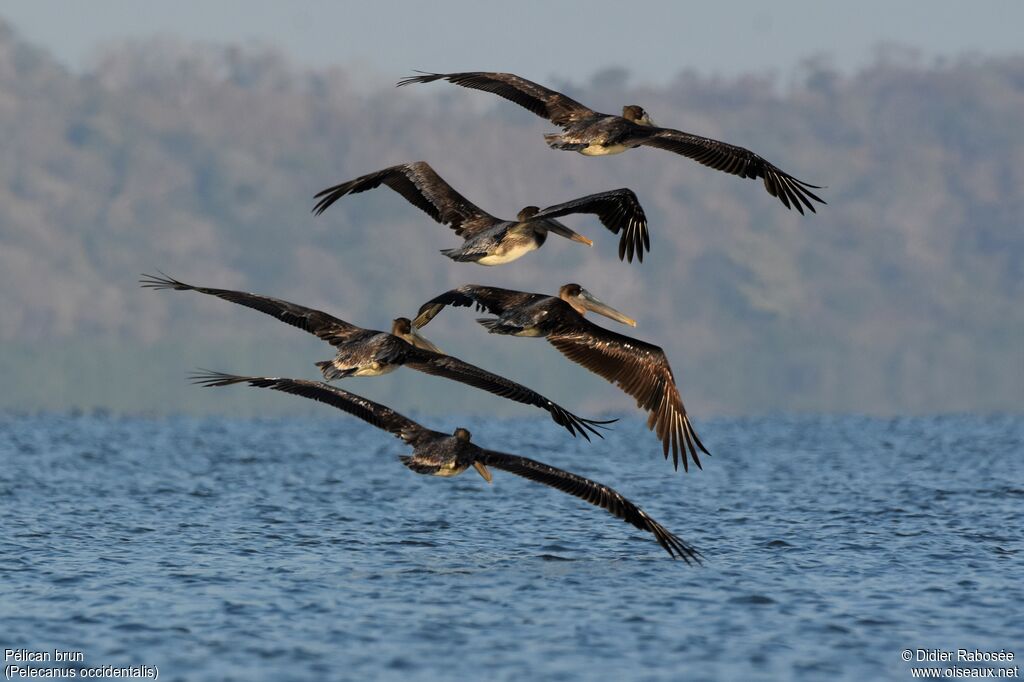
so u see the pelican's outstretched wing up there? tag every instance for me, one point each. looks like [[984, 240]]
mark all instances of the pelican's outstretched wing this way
[[392, 350], [452, 368], [731, 159], [373, 413], [423, 188], [549, 104], [618, 210], [641, 370], [492, 299], [322, 325], [593, 492]]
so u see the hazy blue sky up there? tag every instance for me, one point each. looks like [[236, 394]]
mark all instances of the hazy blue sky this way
[[652, 39]]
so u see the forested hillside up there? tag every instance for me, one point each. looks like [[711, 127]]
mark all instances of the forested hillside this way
[[902, 295]]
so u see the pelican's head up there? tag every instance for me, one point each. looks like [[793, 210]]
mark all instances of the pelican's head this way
[[401, 326], [403, 329], [636, 114], [463, 435], [582, 300], [527, 213]]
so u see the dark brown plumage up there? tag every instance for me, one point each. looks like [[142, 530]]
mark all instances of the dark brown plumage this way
[[366, 352], [637, 367], [595, 134], [440, 454], [485, 235]]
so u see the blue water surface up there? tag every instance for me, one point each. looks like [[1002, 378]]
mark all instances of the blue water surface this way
[[300, 549]]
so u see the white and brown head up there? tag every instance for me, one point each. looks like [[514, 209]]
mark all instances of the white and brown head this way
[[636, 114]]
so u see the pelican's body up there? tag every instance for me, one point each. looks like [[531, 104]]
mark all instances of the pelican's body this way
[[599, 148], [504, 242], [509, 245], [488, 240], [592, 133], [638, 368], [362, 355], [603, 134], [438, 454], [441, 454], [369, 353]]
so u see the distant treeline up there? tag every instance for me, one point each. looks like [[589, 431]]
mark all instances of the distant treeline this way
[[903, 295]]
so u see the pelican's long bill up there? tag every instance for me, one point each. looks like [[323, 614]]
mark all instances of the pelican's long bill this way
[[563, 231], [421, 341], [483, 470], [590, 302]]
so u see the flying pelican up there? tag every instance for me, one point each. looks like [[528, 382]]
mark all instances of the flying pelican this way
[[366, 352], [493, 241], [595, 134], [438, 454], [638, 368]]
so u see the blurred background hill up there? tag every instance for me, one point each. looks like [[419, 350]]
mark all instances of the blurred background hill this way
[[903, 295]]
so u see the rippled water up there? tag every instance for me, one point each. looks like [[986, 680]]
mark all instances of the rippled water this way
[[302, 549]]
